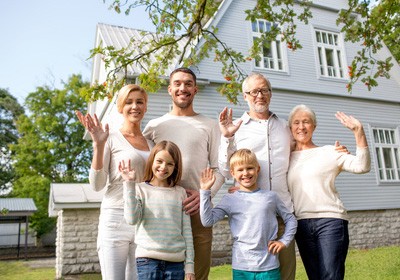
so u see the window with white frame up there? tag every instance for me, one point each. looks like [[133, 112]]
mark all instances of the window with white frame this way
[[271, 56], [330, 54], [387, 145]]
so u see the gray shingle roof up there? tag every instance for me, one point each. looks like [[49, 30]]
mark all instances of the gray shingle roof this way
[[122, 37], [18, 205]]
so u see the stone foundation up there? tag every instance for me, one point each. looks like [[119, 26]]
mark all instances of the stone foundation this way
[[76, 251], [77, 233], [376, 228]]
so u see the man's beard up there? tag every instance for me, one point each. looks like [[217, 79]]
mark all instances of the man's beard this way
[[183, 105], [259, 108]]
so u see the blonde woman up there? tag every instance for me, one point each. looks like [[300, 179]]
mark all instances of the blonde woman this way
[[115, 242]]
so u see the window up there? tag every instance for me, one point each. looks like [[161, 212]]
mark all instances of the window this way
[[387, 145], [330, 54], [271, 56]]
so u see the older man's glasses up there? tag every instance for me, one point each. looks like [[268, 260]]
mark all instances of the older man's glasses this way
[[255, 92]]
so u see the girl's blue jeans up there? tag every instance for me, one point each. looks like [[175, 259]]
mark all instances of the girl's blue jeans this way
[[152, 269]]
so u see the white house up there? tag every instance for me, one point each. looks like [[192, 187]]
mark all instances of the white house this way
[[315, 75]]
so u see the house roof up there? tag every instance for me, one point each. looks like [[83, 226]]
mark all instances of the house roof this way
[[17, 206], [73, 196], [120, 37], [123, 37]]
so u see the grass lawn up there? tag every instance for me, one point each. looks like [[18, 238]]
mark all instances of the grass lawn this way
[[375, 264]]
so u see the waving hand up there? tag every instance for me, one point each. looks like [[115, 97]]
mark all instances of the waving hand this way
[[94, 127], [226, 126]]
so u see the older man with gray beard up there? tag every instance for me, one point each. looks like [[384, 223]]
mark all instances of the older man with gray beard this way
[[269, 137]]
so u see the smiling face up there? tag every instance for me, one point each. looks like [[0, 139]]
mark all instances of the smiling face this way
[[135, 106], [163, 167], [302, 127], [182, 89], [257, 104], [246, 175]]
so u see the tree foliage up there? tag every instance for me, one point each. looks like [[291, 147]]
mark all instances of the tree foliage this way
[[386, 19], [376, 27], [10, 109], [51, 148], [184, 22]]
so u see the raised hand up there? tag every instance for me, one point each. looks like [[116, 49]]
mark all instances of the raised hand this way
[[348, 121], [354, 125], [81, 118], [207, 179], [226, 126], [127, 173], [94, 127]]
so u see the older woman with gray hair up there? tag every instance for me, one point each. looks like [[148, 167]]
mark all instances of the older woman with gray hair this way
[[322, 234]]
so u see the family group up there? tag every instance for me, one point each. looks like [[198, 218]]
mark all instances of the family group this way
[[157, 213]]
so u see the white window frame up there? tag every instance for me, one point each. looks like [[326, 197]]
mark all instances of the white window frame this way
[[386, 147], [330, 42], [277, 60]]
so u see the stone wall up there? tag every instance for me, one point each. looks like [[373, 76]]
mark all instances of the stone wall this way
[[377, 228], [77, 233], [222, 243], [367, 229], [76, 251]]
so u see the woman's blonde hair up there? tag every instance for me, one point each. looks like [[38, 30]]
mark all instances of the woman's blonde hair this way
[[243, 156], [175, 153], [124, 92]]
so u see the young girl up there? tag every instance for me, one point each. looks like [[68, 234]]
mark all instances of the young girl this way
[[163, 232]]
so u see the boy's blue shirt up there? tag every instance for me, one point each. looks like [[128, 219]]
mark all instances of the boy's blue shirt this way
[[253, 223]]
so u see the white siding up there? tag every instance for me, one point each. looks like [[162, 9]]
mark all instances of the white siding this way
[[358, 192], [303, 66], [300, 84]]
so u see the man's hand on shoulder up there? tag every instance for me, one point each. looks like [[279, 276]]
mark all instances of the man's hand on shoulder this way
[[341, 148]]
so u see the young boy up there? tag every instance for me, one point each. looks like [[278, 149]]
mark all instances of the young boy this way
[[252, 219]]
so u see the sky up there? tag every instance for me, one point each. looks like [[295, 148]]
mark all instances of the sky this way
[[44, 42]]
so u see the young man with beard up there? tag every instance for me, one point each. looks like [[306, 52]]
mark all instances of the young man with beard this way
[[197, 137]]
